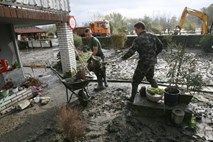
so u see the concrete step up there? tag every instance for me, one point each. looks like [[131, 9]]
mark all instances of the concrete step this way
[[152, 109]]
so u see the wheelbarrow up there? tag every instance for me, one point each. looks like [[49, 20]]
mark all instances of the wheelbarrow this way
[[73, 84]]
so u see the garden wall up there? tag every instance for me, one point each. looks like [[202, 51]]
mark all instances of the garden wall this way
[[191, 41]]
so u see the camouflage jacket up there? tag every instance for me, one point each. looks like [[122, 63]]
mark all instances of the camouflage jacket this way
[[148, 47]]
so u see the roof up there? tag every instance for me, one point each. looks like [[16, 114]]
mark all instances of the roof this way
[[29, 30]]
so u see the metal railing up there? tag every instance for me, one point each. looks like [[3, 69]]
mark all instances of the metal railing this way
[[57, 6]]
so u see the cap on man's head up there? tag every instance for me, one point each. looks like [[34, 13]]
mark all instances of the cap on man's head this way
[[140, 25]]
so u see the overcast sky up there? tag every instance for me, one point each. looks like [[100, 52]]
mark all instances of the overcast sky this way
[[83, 10]]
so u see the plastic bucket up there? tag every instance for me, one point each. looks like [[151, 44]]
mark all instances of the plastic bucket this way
[[4, 65], [171, 99]]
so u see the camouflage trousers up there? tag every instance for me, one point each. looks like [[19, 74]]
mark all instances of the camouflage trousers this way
[[143, 70]]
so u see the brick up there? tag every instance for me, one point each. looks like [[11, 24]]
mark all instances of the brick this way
[[11, 104], [6, 102], [22, 98], [13, 12], [20, 92], [10, 97], [7, 110], [19, 96], [2, 108]]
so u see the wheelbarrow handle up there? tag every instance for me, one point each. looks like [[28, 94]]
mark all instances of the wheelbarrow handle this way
[[57, 73]]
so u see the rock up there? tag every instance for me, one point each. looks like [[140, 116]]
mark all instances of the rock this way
[[44, 100], [23, 104]]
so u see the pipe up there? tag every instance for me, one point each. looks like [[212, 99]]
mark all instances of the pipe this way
[[143, 82], [160, 84]]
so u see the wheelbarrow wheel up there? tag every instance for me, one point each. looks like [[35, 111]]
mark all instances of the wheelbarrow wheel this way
[[83, 97], [83, 103]]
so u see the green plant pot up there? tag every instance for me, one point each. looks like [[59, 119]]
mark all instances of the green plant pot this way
[[4, 93]]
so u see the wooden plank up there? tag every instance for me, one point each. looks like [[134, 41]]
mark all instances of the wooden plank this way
[[45, 16], [13, 12], [29, 14], [25, 13], [1, 11], [32, 15], [6, 12], [19, 13], [49, 16], [42, 15]]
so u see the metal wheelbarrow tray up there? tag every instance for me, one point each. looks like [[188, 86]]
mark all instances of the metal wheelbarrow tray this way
[[72, 84]]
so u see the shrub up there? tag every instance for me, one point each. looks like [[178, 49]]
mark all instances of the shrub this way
[[183, 69], [71, 122], [206, 43], [154, 91], [77, 41], [118, 40]]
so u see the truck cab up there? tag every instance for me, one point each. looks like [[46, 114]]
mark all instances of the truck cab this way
[[100, 28]]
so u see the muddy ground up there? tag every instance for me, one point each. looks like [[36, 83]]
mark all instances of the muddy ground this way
[[108, 115]]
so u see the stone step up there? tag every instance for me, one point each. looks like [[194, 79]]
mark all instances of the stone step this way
[[152, 109]]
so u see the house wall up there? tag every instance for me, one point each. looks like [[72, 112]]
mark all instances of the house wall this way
[[7, 50]]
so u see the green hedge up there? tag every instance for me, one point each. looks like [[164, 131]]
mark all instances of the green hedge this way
[[206, 43]]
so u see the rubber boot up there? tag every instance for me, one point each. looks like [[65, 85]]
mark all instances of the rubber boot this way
[[100, 84], [134, 92], [105, 83], [154, 84]]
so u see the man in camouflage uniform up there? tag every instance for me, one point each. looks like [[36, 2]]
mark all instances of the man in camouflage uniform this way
[[148, 46], [96, 49]]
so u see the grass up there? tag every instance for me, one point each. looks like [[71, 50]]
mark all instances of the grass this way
[[71, 122]]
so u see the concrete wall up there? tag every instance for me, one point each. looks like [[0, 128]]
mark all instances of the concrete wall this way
[[7, 50], [187, 40]]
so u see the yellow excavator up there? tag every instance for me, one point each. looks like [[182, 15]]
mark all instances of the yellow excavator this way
[[201, 15]]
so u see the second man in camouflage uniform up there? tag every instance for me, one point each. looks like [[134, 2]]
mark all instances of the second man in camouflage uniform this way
[[148, 46]]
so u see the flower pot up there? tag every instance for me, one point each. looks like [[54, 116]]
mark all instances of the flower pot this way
[[171, 96], [4, 93], [15, 89], [177, 116], [185, 98]]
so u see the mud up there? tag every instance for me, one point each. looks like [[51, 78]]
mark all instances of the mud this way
[[110, 117]]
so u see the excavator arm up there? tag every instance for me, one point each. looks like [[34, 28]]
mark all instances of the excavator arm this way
[[201, 15]]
